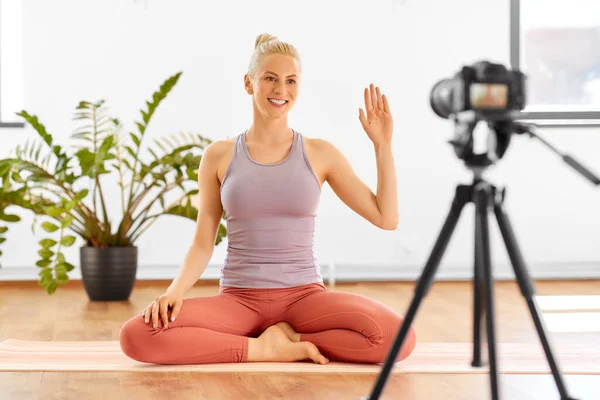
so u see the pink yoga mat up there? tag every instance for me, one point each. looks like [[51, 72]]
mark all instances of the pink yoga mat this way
[[514, 358]]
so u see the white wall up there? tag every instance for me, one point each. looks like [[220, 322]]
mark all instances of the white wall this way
[[122, 50]]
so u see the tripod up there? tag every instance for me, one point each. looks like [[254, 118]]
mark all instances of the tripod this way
[[486, 198]]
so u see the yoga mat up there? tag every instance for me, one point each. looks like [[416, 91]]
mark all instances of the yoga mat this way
[[513, 358]]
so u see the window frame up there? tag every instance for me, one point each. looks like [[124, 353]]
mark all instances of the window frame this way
[[11, 125], [543, 118]]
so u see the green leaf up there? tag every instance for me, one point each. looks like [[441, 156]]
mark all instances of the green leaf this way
[[87, 162], [50, 286], [53, 211], [2, 240], [47, 243], [4, 168], [159, 177], [43, 263], [82, 135], [141, 127], [61, 163], [70, 205], [187, 211], [67, 221], [17, 177], [39, 127], [49, 227], [62, 278], [135, 139], [106, 145], [45, 273], [151, 152], [3, 229], [61, 273], [159, 95], [222, 232], [160, 145], [81, 195], [191, 173], [10, 217], [45, 253], [68, 267], [84, 105], [67, 240], [37, 152], [131, 152], [46, 279]]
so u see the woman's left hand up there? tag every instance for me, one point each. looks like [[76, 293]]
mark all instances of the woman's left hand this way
[[378, 122]]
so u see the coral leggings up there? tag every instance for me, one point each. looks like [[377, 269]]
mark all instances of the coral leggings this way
[[345, 327]]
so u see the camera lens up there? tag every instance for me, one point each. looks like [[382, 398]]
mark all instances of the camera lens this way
[[441, 97]]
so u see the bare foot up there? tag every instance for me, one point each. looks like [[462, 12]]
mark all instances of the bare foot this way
[[289, 331], [278, 347]]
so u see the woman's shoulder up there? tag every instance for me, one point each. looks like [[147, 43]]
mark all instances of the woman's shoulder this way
[[320, 153], [220, 153], [318, 145], [219, 148]]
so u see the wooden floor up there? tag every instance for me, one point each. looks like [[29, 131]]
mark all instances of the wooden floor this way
[[27, 312]]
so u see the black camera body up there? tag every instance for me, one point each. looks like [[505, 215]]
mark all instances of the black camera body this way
[[490, 90], [481, 92]]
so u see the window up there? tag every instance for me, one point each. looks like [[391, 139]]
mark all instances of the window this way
[[11, 64], [557, 45]]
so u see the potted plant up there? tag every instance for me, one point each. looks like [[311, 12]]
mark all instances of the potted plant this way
[[56, 183]]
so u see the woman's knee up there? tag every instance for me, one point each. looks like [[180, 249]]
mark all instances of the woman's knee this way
[[133, 339], [387, 342], [410, 342]]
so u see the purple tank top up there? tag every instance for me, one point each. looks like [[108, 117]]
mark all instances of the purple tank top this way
[[270, 211]]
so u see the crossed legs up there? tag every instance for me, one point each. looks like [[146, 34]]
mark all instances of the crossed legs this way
[[347, 327], [252, 325]]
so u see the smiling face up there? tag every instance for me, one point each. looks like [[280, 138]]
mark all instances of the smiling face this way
[[274, 87]]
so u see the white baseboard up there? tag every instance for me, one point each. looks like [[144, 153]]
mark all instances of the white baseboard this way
[[356, 272]]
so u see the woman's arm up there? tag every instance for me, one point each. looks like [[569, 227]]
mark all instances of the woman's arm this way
[[380, 209], [387, 187], [209, 218]]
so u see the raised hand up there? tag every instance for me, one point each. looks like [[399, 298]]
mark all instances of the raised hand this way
[[377, 123]]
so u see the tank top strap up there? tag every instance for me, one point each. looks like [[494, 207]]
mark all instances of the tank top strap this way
[[235, 158], [297, 149], [300, 150]]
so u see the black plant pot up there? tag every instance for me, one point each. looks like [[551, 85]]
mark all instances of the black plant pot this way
[[108, 274]]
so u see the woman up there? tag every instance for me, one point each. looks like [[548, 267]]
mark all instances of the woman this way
[[272, 304]]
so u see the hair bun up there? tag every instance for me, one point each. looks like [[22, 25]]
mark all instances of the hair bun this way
[[264, 38]]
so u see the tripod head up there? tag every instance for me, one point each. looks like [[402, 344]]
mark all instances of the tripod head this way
[[500, 133], [498, 138]]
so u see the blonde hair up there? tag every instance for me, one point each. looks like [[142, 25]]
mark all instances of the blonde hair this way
[[267, 44]]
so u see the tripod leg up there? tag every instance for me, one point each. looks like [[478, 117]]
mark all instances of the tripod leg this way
[[422, 286], [482, 202], [478, 298], [528, 291]]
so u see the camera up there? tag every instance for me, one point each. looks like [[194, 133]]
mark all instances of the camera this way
[[484, 91], [489, 90]]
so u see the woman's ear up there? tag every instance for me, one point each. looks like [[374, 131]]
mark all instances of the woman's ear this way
[[247, 84]]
